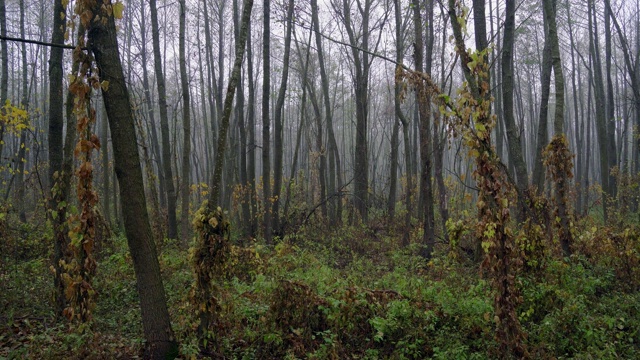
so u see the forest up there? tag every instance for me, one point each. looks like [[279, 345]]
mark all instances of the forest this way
[[304, 179]]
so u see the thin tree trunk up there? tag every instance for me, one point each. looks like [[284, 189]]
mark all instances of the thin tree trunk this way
[[266, 133], [278, 148], [303, 103], [149, 104], [405, 125], [543, 136], [610, 105], [4, 75], [213, 234], [577, 92], [393, 169], [333, 145], [186, 126], [21, 157], [251, 151], [601, 125], [172, 231]]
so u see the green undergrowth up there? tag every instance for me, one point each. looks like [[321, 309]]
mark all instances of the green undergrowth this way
[[351, 293]]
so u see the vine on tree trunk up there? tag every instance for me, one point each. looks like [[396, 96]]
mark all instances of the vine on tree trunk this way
[[469, 117], [209, 260], [82, 226], [559, 162]]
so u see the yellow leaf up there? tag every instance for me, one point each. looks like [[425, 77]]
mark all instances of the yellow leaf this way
[[118, 9], [104, 85]]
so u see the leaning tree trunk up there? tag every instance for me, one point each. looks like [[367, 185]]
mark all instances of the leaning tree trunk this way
[[212, 226], [155, 315]]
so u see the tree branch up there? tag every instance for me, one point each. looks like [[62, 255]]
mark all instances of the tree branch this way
[[37, 42]]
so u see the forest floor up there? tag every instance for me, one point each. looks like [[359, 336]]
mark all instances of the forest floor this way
[[352, 293]]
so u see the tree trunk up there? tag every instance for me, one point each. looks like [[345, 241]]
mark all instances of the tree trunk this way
[[361, 89], [426, 188], [245, 200], [278, 150], [186, 127], [405, 125], [56, 124], [172, 231], [514, 145], [251, 152], [210, 233], [155, 316], [393, 169], [149, 104], [333, 145], [301, 125], [610, 105], [577, 92], [4, 75], [543, 136], [266, 133], [561, 159], [322, 157], [601, 125], [21, 157]]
